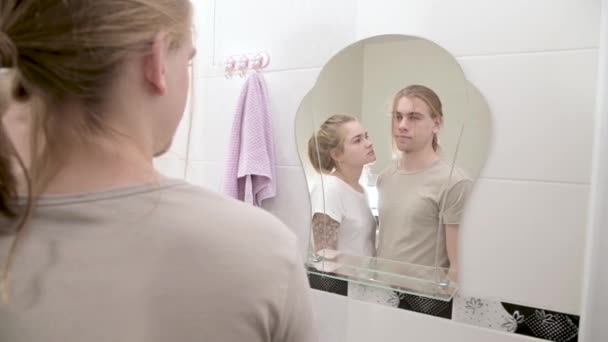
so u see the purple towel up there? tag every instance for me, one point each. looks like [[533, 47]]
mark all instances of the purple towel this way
[[250, 171]]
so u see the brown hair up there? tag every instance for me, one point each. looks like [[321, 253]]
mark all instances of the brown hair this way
[[326, 139], [55, 51], [425, 94]]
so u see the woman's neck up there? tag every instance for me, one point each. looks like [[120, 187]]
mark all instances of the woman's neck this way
[[103, 164], [91, 165], [351, 176]]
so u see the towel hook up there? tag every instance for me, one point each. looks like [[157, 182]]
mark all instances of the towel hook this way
[[229, 67], [242, 65], [265, 59], [260, 61]]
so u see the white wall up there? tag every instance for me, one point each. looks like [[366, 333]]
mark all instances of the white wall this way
[[595, 298], [535, 63], [345, 320]]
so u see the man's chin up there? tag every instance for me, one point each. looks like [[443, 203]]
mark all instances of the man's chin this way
[[403, 149]]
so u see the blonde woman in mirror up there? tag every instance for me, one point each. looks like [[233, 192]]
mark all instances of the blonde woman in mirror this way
[[342, 220], [95, 244], [421, 198]]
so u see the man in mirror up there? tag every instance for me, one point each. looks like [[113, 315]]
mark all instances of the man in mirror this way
[[421, 196]]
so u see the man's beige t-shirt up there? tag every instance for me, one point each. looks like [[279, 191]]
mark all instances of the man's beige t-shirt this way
[[163, 262], [409, 207]]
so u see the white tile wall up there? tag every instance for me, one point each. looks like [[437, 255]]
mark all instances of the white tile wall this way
[[288, 30], [216, 98], [369, 322], [542, 107], [331, 316], [523, 242], [535, 63], [595, 297], [171, 165], [481, 27], [205, 174]]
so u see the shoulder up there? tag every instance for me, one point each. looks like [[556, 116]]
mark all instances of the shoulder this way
[[220, 214], [329, 184], [226, 233], [196, 223], [331, 181], [240, 253], [456, 173]]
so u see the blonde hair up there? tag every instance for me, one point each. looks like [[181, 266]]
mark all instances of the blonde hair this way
[[325, 140], [425, 94], [55, 51]]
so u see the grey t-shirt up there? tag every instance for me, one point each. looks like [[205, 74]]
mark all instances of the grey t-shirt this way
[[157, 262], [409, 207]]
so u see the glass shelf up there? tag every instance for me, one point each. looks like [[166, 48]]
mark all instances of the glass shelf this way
[[424, 281]]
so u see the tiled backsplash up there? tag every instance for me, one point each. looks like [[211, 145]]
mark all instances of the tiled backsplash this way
[[486, 313]]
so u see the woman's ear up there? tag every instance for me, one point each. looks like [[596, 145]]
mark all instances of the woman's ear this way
[[334, 154], [154, 64]]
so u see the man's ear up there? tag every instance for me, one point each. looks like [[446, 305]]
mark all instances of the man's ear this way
[[438, 122], [154, 64]]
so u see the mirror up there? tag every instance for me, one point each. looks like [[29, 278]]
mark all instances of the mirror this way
[[391, 138]]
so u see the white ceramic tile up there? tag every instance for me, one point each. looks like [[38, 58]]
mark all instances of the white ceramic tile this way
[[473, 27], [170, 165], [288, 30], [371, 322], [248, 27], [292, 203], [523, 243], [595, 296], [215, 103], [203, 35], [286, 91], [208, 175], [542, 108], [321, 30], [331, 316]]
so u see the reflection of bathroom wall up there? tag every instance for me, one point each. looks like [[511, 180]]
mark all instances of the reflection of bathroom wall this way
[[423, 63], [337, 92], [525, 228]]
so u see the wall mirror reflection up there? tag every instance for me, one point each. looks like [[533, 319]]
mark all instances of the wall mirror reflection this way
[[391, 138]]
